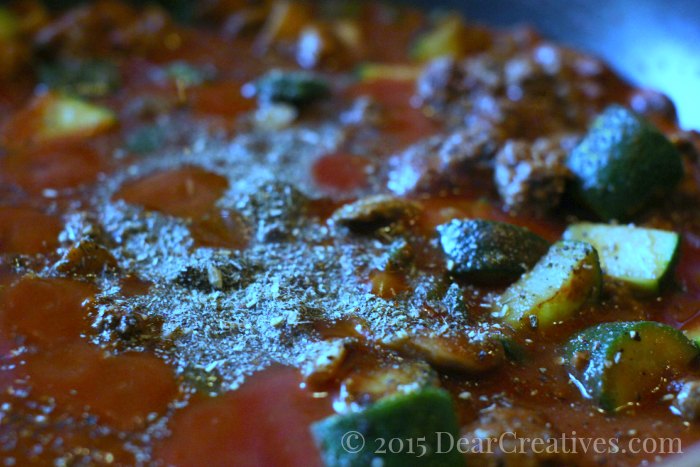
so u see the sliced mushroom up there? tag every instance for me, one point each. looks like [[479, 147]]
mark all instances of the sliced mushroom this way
[[86, 257], [375, 211], [369, 383], [324, 363], [456, 353]]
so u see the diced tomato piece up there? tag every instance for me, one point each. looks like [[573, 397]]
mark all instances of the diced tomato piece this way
[[183, 192], [220, 229], [47, 312], [223, 99], [27, 231], [131, 286], [121, 390], [56, 166], [387, 284], [341, 171], [264, 422], [53, 116]]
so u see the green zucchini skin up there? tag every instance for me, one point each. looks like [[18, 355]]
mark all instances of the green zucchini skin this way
[[643, 258], [692, 331], [623, 162], [291, 87], [563, 280], [83, 78], [484, 251], [407, 416], [619, 363]]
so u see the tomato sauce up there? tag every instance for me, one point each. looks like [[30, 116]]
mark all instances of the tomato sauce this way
[[250, 426], [222, 264]]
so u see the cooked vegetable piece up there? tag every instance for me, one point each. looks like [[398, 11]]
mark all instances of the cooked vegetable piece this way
[[467, 353], [187, 75], [54, 116], [388, 71], [8, 24], [425, 414], [145, 139], [622, 163], [293, 87], [489, 252], [375, 211], [324, 363], [86, 78], [638, 256], [692, 330], [619, 363], [448, 37], [514, 351], [369, 384], [86, 257], [562, 281]]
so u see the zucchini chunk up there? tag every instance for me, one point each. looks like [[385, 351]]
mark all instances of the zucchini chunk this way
[[9, 24], [83, 78], [426, 414], [388, 71], [562, 281], [692, 330], [61, 116], [291, 87], [617, 364], [622, 163], [448, 37], [188, 75], [489, 252], [641, 257]]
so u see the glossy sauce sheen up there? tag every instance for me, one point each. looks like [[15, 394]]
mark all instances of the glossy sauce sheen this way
[[92, 366]]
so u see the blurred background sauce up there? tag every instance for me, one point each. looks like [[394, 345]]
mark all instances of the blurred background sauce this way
[[653, 43]]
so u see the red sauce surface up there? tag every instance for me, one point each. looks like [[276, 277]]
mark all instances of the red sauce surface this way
[[55, 167], [184, 192], [341, 171], [27, 231], [47, 312], [99, 400], [252, 426]]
